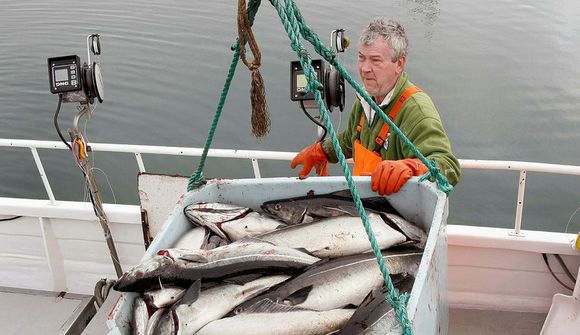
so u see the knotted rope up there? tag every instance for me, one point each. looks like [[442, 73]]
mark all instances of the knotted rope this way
[[197, 178], [260, 116]]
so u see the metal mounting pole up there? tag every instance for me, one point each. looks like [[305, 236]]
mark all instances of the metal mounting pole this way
[[85, 165]]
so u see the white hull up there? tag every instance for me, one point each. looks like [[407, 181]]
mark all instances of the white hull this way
[[59, 246]]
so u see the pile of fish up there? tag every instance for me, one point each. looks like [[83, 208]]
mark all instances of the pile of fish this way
[[298, 266]]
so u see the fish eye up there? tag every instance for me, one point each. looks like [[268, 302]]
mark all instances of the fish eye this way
[[277, 207]]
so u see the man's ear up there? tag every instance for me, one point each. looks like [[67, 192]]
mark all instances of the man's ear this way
[[401, 64]]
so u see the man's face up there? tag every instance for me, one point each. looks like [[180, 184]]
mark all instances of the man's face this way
[[378, 72]]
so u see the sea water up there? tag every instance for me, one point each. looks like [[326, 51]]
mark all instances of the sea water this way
[[504, 75]]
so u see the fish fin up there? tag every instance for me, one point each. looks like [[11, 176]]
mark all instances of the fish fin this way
[[300, 296], [306, 218], [342, 193], [269, 306], [304, 250], [217, 229], [399, 277], [411, 231], [205, 237], [346, 212], [192, 294], [252, 239], [317, 263], [350, 306], [372, 295], [194, 258], [391, 223], [160, 283], [242, 279]]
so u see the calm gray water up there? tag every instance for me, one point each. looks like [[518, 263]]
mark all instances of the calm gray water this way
[[505, 76]]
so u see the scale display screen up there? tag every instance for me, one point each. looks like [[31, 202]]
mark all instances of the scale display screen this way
[[64, 74], [301, 83], [61, 75], [298, 80]]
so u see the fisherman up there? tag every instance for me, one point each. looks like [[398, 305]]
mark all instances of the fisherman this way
[[376, 150]]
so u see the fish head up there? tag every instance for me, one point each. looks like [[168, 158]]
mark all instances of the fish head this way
[[147, 269], [288, 212]]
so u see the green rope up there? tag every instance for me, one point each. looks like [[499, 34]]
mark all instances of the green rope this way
[[197, 177], [295, 26]]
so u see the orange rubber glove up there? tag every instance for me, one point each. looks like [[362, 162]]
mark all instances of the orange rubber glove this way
[[390, 176], [312, 155]]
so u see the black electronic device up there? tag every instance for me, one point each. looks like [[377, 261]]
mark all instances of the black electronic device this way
[[298, 80], [332, 85], [76, 83], [64, 74]]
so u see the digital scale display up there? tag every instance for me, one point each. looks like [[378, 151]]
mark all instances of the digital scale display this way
[[64, 74], [298, 80], [60, 75], [301, 83]]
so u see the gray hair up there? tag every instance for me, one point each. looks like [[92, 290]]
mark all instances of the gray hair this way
[[391, 31]]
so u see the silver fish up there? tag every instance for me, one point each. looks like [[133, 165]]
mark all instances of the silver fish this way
[[339, 282], [146, 276], [301, 322], [313, 207], [163, 297], [196, 238], [306, 209], [375, 315], [213, 214], [140, 316], [182, 267], [250, 225], [241, 256], [153, 322], [214, 303], [334, 237]]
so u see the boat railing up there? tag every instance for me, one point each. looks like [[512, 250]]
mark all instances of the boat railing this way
[[256, 155]]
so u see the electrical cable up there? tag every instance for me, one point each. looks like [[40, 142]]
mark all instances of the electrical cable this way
[[108, 182], [314, 120], [56, 122], [12, 218], [545, 256], [565, 268], [570, 219]]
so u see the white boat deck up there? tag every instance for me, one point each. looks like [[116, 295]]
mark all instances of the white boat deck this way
[[482, 322], [43, 312]]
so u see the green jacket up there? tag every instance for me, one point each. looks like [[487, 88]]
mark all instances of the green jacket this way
[[418, 120]]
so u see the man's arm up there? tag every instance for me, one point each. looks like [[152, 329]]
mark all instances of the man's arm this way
[[429, 137]]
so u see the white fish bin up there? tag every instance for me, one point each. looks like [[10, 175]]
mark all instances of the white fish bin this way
[[418, 202]]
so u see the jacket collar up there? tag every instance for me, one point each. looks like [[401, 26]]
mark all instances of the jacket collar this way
[[369, 112]]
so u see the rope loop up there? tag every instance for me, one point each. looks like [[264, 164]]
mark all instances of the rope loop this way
[[260, 115]]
